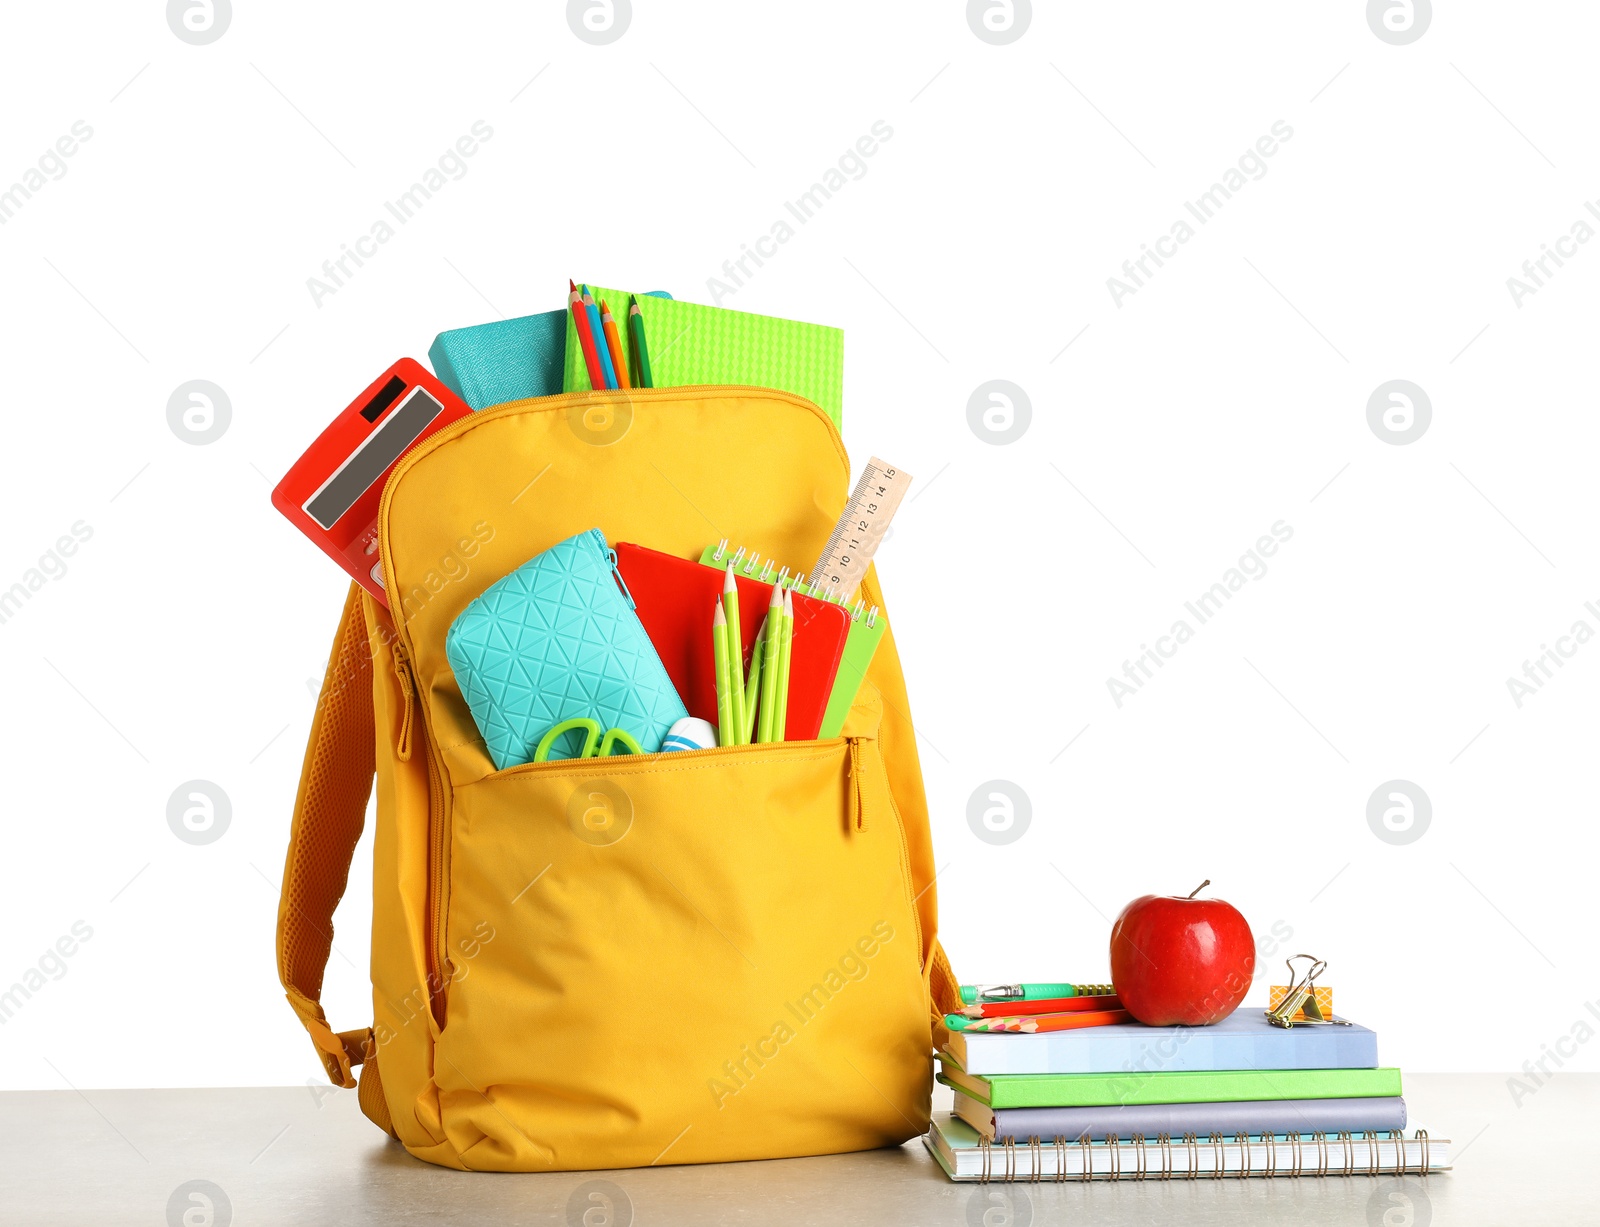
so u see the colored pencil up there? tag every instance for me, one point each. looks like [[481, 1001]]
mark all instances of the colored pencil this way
[[1030, 1024], [641, 352], [597, 330], [752, 689], [1048, 1005], [735, 634], [780, 703], [580, 321], [769, 665], [719, 651], [614, 344]]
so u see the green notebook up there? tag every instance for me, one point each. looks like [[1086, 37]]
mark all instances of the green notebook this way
[[1190, 1086], [691, 343], [866, 630]]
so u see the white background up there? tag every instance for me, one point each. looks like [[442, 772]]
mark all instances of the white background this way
[[1227, 394]]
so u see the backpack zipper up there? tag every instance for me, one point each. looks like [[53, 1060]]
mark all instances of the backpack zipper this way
[[437, 956], [857, 802], [402, 670]]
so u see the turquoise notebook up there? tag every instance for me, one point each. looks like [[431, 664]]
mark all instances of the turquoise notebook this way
[[490, 364], [505, 360]]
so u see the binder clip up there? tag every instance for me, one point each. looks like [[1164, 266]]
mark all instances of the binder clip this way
[[1304, 1001]]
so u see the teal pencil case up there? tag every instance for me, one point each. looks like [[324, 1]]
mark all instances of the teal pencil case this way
[[558, 640]]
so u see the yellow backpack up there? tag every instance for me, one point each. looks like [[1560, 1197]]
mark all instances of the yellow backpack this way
[[675, 958]]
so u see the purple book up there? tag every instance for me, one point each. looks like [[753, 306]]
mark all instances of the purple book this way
[[1304, 1116]]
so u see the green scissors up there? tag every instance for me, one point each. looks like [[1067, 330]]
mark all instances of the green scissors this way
[[593, 746]]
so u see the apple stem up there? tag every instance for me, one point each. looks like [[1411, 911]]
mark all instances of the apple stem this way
[[1199, 888]]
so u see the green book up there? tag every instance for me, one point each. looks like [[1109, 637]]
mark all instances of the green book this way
[[1194, 1086], [866, 630], [691, 343]]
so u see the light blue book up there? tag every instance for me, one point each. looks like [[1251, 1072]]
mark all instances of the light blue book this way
[[1243, 1040], [506, 360]]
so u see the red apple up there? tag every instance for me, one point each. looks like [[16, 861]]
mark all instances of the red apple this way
[[1181, 961]]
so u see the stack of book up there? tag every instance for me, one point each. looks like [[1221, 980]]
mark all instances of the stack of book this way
[[1241, 1097]]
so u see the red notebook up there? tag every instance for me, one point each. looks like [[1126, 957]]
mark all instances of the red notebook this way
[[676, 598]]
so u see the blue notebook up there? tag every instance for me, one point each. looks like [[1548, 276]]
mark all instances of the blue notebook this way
[[1255, 1117], [506, 360], [490, 364], [1243, 1040]]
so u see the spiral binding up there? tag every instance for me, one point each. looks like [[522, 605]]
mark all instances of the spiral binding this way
[[1295, 1162], [799, 583]]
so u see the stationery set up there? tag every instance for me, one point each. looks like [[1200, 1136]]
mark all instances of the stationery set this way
[[1273, 1093], [665, 651]]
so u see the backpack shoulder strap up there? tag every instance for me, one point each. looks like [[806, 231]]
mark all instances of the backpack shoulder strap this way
[[329, 810]]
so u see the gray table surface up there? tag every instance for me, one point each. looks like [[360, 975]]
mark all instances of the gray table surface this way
[[306, 1155]]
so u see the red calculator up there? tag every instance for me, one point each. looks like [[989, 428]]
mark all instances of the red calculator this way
[[332, 492]]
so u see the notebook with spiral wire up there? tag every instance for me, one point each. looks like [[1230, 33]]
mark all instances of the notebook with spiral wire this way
[[964, 1155]]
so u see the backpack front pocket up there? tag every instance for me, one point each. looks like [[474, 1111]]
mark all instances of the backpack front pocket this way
[[682, 957]]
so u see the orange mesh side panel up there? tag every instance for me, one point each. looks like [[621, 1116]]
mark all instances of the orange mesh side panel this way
[[335, 782], [944, 988]]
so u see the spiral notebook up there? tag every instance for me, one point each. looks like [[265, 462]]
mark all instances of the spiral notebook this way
[[957, 1148], [866, 626], [674, 598]]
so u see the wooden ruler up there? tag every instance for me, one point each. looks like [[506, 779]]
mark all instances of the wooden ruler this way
[[860, 531]]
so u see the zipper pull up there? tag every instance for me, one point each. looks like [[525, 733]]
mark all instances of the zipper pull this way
[[858, 810], [408, 699], [616, 572], [610, 555]]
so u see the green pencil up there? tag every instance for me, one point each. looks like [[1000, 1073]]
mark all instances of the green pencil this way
[[735, 634], [780, 704], [641, 355], [719, 648], [752, 689], [769, 665]]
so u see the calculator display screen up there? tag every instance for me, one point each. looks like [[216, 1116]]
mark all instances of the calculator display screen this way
[[372, 459]]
